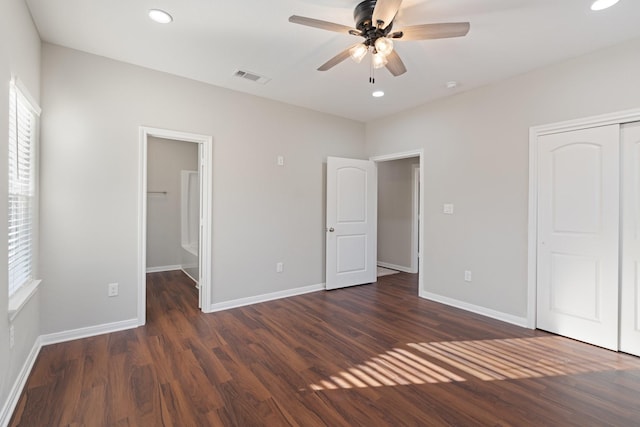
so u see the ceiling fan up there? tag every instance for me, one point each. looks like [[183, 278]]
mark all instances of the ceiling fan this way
[[374, 22]]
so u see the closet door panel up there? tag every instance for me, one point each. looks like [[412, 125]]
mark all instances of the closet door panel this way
[[578, 227]]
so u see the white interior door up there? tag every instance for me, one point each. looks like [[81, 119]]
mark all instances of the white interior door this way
[[630, 283], [578, 234], [351, 230]]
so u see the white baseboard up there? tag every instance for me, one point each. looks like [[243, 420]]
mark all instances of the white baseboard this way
[[396, 267], [89, 331], [18, 385], [163, 268], [498, 315], [265, 297], [190, 276]]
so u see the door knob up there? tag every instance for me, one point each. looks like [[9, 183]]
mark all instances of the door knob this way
[[331, 230]]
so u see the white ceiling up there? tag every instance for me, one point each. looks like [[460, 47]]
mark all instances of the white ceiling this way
[[210, 39]]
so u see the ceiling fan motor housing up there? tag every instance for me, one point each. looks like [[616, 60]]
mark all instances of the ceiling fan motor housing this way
[[362, 15]]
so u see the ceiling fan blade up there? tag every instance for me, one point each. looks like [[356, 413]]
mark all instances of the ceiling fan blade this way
[[395, 64], [335, 60], [323, 25], [434, 31], [385, 11]]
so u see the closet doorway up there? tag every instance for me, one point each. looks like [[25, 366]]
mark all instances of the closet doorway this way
[[584, 230], [400, 207], [175, 209], [398, 214]]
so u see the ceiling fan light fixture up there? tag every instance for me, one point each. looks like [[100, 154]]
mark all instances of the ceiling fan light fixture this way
[[378, 94], [160, 16], [384, 45], [358, 52], [602, 4], [378, 60]]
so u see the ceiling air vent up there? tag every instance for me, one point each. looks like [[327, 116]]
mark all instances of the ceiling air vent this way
[[247, 75]]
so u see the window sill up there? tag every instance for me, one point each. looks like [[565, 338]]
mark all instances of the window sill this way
[[18, 300]]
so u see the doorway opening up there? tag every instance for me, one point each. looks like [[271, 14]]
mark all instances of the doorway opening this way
[[190, 191], [173, 207], [400, 198]]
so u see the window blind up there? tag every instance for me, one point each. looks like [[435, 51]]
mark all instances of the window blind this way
[[22, 121]]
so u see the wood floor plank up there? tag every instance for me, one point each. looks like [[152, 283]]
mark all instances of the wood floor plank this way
[[372, 355]]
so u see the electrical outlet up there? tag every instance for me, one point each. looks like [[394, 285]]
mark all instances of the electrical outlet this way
[[279, 267], [467, 276], [12, 337], [280, 160], [112, 289]]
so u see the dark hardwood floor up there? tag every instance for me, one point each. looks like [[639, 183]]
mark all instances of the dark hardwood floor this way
[[373, 355]]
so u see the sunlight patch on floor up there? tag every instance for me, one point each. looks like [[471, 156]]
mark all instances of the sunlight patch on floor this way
[[487, 360], [394, 367]]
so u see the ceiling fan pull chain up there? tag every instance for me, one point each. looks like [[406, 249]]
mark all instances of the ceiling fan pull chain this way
[[372, 70]]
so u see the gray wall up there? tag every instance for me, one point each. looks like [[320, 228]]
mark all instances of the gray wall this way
[[262, 213], [20, 56], [166, 159], [476, 156], [395, 215]]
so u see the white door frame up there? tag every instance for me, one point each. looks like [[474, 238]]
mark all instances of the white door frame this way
[[404, 155], [205, 151], [415, 219], [535, 132]]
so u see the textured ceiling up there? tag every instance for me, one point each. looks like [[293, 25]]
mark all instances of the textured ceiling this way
[[209, 40]]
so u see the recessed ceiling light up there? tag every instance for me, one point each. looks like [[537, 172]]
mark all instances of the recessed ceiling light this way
[[160, 16], [377, 94], [603, 4], [452, 84]]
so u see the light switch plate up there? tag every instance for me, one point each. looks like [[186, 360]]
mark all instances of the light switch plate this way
[[447, 208], [112, 289]]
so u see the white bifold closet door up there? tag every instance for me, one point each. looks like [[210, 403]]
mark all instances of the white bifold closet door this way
[[630, 232], [578, 234]]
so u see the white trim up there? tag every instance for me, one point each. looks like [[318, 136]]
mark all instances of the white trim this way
[[142, 229], [620, 118], [415, 218], [241, 302], [532, 240], [395, 267], [21, 297], [189, 276], [487, 312], [397, 156], [89, 331], [205, 284], [205, 161], [16, 390], [162, 268], [405, 155]]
